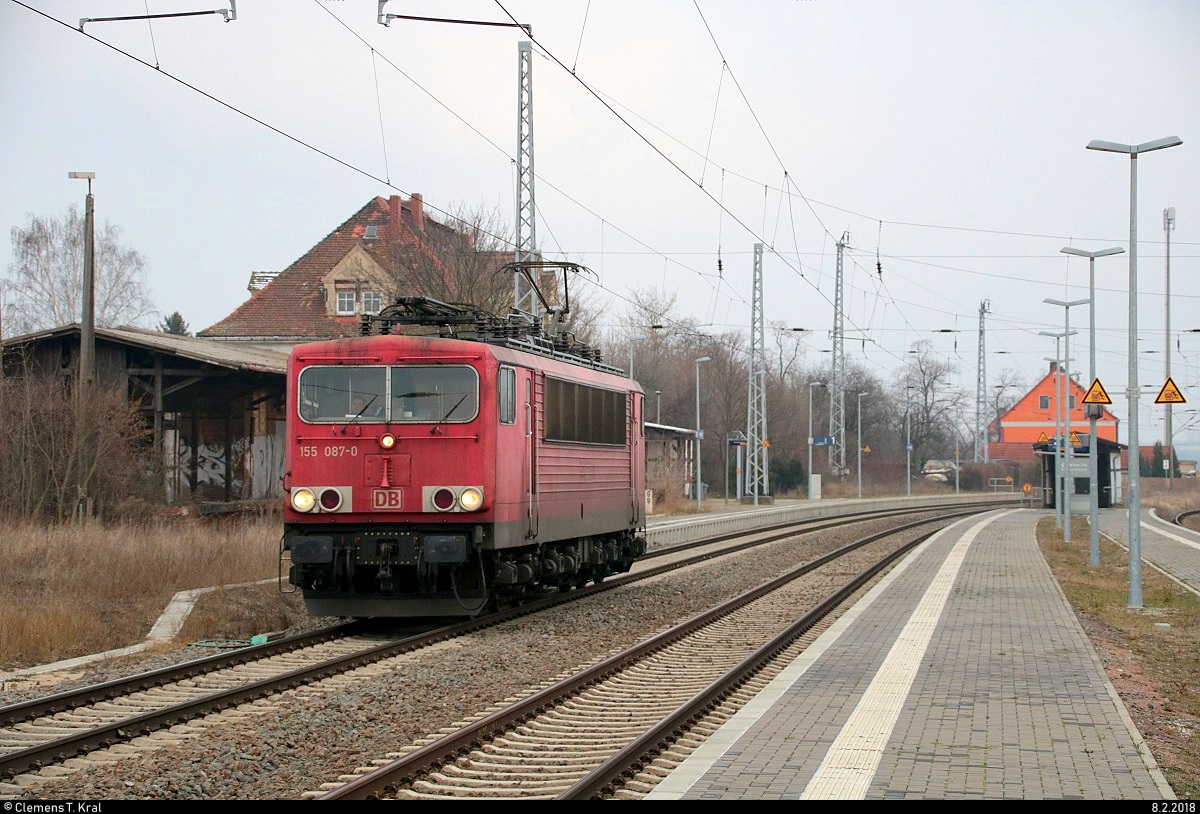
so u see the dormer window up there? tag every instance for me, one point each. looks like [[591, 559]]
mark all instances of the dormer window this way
[[355, 284], [372, 233]]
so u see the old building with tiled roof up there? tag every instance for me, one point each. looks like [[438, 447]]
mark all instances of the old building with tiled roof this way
[[390, 247]]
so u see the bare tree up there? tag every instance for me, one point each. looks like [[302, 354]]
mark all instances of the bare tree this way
[[458, 262], [925, 386], [41, 460], [44, 288], [1009, 387]]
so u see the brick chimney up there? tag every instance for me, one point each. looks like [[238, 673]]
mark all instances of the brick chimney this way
[[395, 225], [416, 205], [1053, 366]]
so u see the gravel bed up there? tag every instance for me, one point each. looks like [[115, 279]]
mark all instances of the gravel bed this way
[[311, 736]]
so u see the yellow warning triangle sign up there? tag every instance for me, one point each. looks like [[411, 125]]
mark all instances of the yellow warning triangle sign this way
[[1043, 439], [1170, 394], [1075, 440], [1096, 394]]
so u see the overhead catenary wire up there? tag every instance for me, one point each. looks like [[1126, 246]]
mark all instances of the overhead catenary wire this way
[[657, 150], [668, 261], [379, 106]]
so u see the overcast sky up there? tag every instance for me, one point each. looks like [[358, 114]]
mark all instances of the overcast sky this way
[[946, 139]]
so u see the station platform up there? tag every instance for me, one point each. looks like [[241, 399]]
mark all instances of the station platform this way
[[963, 674], [1165, 547]]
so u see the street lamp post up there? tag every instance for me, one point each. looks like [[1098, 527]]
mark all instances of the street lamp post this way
[[809, 474], [1135, 476], [1067, 447], [87, 340], [908, 441], [658, 407], [1058, 415], [1168, 227], [699, 485], [858, 434], [1093, 410], [633, 339]]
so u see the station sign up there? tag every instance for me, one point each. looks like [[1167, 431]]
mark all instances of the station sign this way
[[823, 440]]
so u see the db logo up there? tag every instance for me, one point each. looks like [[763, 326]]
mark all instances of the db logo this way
[[385, 498]]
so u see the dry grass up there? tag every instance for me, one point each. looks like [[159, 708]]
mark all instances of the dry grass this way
[[1156, 670], [68, 590]]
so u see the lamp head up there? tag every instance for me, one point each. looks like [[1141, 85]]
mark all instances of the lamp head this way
[[1092, 255], [1134, 149]]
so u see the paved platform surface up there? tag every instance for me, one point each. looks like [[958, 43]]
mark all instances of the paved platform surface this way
[[1173, 550], [964, 674]]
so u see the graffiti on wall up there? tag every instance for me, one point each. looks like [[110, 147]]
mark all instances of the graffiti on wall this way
[[255, 466]]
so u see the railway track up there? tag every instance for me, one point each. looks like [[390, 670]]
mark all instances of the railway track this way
[[1189, 519], [44, 733], [603, 732]]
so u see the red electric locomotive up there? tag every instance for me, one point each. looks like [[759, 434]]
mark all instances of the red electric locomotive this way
[[453, 473]]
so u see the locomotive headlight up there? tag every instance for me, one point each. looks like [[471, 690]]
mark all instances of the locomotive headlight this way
[[303, 500], [471, 499], [387, 440]]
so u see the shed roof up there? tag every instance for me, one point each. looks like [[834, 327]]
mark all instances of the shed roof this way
[[234, 355]]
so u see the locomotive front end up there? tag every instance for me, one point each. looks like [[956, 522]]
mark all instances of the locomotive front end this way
[[389, 505]]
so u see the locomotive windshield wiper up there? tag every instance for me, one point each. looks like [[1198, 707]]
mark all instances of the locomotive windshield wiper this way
[[360, 412], [461, 399]]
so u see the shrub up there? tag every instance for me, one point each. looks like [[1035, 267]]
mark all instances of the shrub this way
[[52, 449]]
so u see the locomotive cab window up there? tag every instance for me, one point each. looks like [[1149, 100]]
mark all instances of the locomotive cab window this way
[[441, 393], [507, 385], [334, 394]]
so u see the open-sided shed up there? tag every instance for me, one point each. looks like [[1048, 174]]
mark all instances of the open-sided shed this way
[[216, 408]]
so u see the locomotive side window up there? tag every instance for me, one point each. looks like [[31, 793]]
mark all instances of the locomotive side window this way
[[441, 393], [507, 385], [335, 394], [582, 414]]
